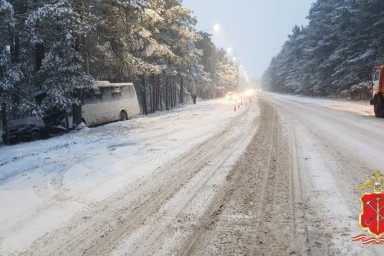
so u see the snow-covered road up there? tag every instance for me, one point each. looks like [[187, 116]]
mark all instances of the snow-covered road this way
[[91, 190], [335, 146], [276, 177]]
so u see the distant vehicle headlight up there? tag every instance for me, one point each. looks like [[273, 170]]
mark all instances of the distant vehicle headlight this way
[[249, 92]]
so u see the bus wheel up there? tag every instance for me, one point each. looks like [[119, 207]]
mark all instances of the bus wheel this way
[[123, 116]]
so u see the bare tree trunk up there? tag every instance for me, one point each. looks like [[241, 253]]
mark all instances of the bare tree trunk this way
[[39, 56], [150, 88], [166, 93], [153, 97], [160, 97], [2, 68], [181, 99], [15, 48], [87, 62], [174, 92], [157, 95], [145, 110], [77, 109], [171, 89]]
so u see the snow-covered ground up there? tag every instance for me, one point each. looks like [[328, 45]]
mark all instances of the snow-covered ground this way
[[358, 107], [73, 171], [338, 145], [83, 182]]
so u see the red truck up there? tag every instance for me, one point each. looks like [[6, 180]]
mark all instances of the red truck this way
[[378, 91]]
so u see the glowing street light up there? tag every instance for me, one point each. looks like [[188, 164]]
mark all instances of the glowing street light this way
[[229, 50], [216, 28]]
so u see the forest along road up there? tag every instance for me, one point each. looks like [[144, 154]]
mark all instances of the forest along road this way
[[279, 178]]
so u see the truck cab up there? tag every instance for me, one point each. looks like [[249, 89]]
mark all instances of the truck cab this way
[[378, 91]]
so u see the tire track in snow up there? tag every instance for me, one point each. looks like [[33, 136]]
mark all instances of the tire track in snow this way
[[253, 215], [165, 235], [104, 225]]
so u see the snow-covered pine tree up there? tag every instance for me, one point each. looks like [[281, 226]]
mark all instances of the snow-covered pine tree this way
[[209, 60], [227, 74], [59, 28], [155, 53], [337, 49], [191, 69], [120, 47], [15, 61], [361, 47], [9, 73], [115, 39], [179, 34]]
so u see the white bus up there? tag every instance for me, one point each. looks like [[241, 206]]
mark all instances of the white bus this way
[[110, 102]]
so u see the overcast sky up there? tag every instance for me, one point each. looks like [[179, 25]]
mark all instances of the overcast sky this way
[[254, 29]]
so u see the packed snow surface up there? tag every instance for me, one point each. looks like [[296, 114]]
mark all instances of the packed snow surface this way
[[81, 168], [46, 184]]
